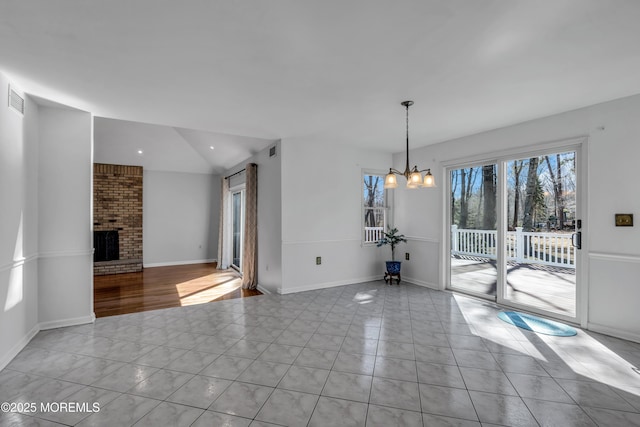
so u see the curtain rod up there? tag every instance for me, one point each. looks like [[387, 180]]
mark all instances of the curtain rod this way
[[234, 174]]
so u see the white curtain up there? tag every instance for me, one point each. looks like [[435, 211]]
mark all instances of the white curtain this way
[[224, 229]]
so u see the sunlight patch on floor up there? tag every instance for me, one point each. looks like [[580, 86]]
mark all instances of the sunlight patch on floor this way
[[192, 291], [364, 297], [586, 356]]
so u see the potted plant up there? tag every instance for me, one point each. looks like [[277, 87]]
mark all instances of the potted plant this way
[[391, 237]]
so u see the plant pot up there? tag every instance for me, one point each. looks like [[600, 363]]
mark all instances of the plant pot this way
[[393, 267]]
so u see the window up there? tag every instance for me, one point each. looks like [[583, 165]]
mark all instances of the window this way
[[375, 208]]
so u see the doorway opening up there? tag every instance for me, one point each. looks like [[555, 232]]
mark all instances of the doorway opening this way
[[237, 218]]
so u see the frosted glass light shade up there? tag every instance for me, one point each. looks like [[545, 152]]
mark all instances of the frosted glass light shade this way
[[415, 179], [390, 181], [429, 181]]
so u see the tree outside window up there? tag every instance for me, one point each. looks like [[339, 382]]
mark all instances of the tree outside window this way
[[374, 201]]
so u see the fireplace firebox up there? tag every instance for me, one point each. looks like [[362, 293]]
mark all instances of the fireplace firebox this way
[[106, 245]]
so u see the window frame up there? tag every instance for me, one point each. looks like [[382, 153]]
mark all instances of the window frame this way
[[385, 209]]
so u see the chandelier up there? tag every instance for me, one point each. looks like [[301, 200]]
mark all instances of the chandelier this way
[[413, 176]]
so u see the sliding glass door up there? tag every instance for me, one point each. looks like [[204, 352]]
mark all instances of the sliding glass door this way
[[541, 235], [515, 231], [473, 222]]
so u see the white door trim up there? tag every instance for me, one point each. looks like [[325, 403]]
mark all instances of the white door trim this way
[[579, 144]]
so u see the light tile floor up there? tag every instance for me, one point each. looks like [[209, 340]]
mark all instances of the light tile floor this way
[[365, 354]]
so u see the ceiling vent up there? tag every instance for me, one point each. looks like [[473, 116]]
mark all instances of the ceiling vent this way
[[16, 101], [272, 151]]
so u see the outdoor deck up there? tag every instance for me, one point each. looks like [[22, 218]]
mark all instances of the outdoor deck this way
[[543, 286], [540, 266]]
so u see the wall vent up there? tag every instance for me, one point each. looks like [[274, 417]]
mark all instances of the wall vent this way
[[272, 151], [16, 101]]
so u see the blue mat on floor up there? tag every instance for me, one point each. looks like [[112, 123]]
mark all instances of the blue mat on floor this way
[[537, 324]]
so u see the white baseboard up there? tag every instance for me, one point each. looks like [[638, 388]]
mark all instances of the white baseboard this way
[[614, 332], [264, 290], [326, 285], [168, 264], [422, 283], [7, 358], [67, 322]]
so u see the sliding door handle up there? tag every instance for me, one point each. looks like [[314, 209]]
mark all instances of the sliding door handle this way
[[576, 240]]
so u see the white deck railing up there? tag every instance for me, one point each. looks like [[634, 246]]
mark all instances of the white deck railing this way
[[373, 234], [521, 246]]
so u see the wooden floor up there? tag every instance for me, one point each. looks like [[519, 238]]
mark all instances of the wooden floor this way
[[163, 287]]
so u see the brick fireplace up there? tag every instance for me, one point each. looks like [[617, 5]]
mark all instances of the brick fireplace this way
[[117, 219]]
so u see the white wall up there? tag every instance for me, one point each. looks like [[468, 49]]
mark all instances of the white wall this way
[[65, 267], [45, 232], [611, 254], [180, 212], [18, 226], [322, 215], [269, 217]]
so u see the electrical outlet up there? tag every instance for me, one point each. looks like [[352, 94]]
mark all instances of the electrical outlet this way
[[624, 220], [406, 256], [318, 260]]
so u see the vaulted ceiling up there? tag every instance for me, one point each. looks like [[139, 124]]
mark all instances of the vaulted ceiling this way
[[331, 69], [171, 149]]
